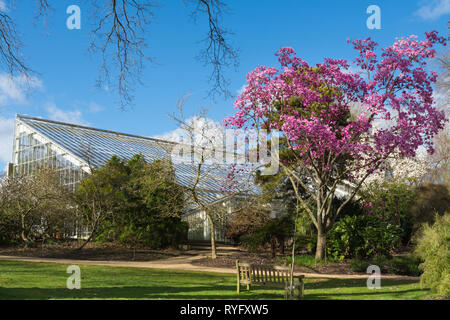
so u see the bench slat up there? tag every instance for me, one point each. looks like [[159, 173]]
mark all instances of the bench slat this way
[[248, 274]]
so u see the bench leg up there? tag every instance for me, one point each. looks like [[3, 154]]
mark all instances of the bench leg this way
[[301, 288]]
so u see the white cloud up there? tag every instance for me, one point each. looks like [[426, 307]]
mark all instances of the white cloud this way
[[13, 89], [7, 128], [3, 6], [57, 114], [207, 132], [211, 134], [94, 107], [241, 89], [6, 139], [433, 9]]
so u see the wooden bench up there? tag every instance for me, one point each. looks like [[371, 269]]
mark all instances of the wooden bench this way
[[278, 276]]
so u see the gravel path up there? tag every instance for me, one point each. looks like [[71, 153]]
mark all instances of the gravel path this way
[[183, 262]]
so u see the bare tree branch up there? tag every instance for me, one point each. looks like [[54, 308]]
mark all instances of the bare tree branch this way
[[218, 53], [43, 9], [119, 37], [11, 57]]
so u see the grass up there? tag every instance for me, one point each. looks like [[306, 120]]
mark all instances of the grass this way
[[27, 280]]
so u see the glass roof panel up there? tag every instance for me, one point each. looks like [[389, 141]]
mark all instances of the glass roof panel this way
[[97, 146]]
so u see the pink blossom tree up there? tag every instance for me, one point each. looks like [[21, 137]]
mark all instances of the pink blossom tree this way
[[326, 147]]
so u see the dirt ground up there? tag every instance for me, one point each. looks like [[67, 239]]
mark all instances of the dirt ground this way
[[227, 256], [229, 261], [92, 252], [197, 258]]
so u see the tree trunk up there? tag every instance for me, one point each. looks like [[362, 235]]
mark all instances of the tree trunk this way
[[94, 229], [321, 245], [86, 242], [273, 245], [213, 236], [22, 234]]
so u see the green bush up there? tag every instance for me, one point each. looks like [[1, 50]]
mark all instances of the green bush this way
[[308, 242], [276, 231], [433, 248], [429, 199], [140, 203], [392, 202], [361, 265], [405, 265], [362, 236], [168, 232]]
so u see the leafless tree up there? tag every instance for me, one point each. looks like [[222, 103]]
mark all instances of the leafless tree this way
[[93, 202], [439, 162], [118, 36], [35, 205], [10, 47], [203, 151], [443, 82], [218, 52]]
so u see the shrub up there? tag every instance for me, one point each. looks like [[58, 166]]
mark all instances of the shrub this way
[[392, 202], [168, 232], [308, 241], [246, 221], [133, 202], [433, 248], [405, 265], [362, 236], [360, 265], [429, 200], [34, 207], [276, 231]]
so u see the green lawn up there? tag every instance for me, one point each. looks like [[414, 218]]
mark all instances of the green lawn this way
[[26, 280]]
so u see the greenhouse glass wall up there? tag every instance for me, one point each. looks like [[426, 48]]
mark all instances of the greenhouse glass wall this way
[[73, 150]]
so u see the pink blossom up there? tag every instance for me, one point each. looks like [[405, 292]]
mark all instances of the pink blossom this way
[[310, 104]]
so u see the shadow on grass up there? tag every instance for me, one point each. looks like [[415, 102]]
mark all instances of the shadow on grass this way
[[320, 289], [351, 283], [43, 281], [135, 292], [359, 295]]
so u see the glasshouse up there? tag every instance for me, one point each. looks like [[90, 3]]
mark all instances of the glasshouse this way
[[73, 150]]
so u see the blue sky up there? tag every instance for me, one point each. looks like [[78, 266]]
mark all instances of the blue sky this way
[[64, 87]]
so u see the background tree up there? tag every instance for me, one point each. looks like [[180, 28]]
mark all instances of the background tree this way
[[133, 202], [311, 107], [439, 161], [100, 195], [433, 247], [430, 200], [201, 140], [154, 205], [35, 207], [202, 153]]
